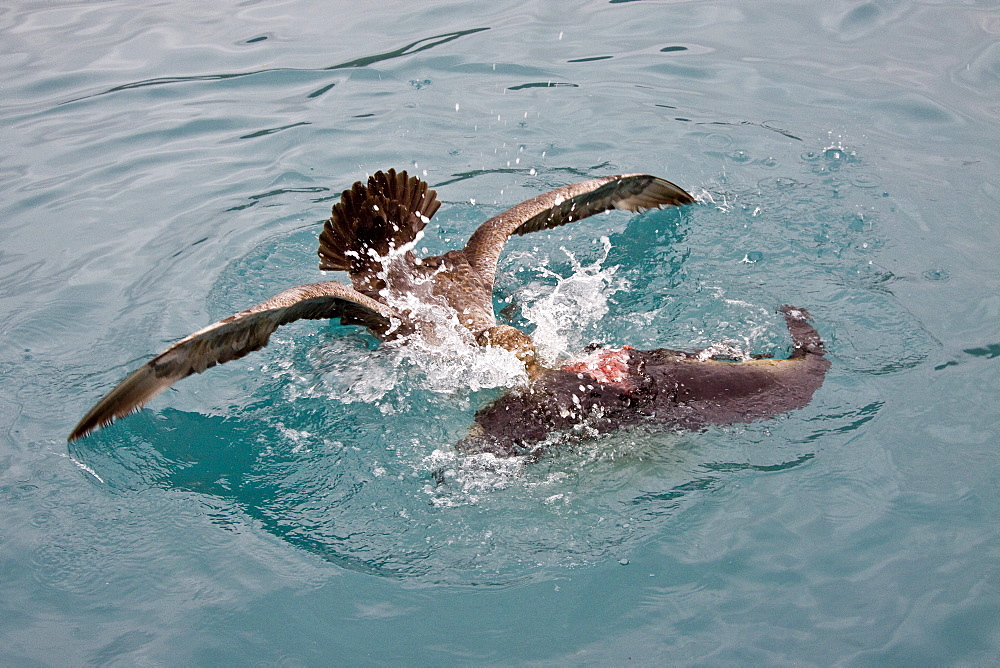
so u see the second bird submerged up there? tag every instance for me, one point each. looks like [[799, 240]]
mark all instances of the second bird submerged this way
[[371, 234]]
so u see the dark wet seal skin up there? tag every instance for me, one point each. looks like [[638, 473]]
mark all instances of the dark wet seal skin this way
[[671, 388]]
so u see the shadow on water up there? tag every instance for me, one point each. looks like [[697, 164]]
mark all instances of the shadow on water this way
[[584, 173], [409, 49], [372, 510], [767, 125], [256, 199], [357, 489], [991, 351], [710, 482]]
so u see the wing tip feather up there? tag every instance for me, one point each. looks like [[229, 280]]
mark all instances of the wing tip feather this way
[[126, 398]]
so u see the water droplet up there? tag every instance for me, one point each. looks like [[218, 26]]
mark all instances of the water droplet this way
[[867, 181], [717, 140], [936, 275]]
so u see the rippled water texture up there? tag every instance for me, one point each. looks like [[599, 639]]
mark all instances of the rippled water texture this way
[[164, 166]]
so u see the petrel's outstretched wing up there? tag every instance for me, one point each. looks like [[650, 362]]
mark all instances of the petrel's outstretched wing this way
[[634, 192], [231, 339]]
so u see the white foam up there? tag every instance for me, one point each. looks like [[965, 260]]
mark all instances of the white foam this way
[[576, 301], [83, 467], [469, 476]]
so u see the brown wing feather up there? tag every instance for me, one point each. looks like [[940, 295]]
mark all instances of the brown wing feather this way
[[386, 213], [231, 339], [634, 192]]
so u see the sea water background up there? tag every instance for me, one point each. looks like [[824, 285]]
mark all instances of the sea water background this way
[[166, 164]]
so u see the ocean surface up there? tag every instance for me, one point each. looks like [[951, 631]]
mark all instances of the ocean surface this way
[[166, 164]]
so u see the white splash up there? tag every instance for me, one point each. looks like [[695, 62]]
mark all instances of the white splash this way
[[83, 467], [566, 309], [302, 440], [446, 354], [442, 357], [725, 350], [467, 477]]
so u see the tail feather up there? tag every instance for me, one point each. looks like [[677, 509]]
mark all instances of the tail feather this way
[[370, 220]]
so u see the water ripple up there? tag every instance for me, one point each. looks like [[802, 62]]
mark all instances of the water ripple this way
[[364, 61]]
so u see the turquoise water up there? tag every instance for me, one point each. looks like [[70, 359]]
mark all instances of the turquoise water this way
[[165, 165]]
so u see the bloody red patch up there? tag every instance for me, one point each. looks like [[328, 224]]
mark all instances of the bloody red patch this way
[[606, 366]]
